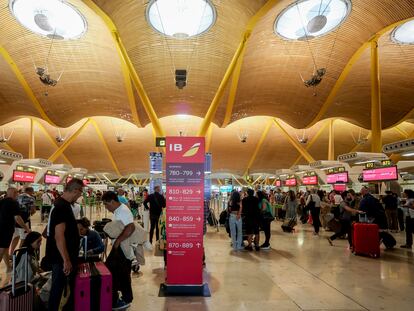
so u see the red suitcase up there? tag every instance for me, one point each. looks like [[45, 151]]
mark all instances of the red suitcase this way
[[93, 280], [366, 240], [17, 297]]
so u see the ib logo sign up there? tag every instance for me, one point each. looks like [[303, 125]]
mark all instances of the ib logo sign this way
[[188, 149], [189, 153]]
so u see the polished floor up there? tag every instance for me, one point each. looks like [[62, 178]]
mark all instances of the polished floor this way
[[300, 272]]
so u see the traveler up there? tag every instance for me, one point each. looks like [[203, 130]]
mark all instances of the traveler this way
[[62, 246], [313, 203], [156, 202], [32, 243], [264, 206], [373, 208], [235, 221], [345, 219], [27, 208], [95, 246], [121, 197], [409, 218], [118, 262], [391, 207], [9, 216], [251, 214], [47, 201], [291, 205]]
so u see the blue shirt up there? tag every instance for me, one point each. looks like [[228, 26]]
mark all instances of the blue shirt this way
[[122, 199]]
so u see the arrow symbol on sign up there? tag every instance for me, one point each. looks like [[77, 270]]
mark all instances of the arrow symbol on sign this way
[[198, 173], [198, 191], [198, 245], [198, 218]]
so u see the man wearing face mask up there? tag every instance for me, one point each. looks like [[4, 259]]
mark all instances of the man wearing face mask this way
[[62, 246], [345, 218]]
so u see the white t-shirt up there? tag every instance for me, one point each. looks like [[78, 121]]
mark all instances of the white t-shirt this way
[[76, 210], [337, 199], [46, 199], [315, 198], [409, 207], [123, 213]]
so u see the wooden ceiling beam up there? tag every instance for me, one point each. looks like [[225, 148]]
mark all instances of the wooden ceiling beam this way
[[29, 92], [347, 69], [233, 69], [295, 143], [105, 145], [331, 140], [258, 146], [67, 142], [401, 132]]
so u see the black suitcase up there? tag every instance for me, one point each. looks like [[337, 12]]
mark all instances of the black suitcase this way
[[388, 240], [289, 224], [223, 217]]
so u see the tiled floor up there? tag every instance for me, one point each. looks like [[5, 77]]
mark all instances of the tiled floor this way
[[300, 272]]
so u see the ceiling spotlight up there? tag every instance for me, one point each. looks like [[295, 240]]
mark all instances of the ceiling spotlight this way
[[55, 19], [119, 139]]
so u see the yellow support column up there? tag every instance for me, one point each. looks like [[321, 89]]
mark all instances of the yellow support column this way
[[376, 126], [258, 146], [295, 143], [108, 152], [67, 142], [31, 140], [208, 139], [331, 145]]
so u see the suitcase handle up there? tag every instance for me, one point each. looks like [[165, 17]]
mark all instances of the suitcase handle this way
[[26, 270]]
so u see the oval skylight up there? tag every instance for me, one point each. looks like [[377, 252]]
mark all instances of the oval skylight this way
[[308, 19], [51, 18], [181, 19], [404, 34]]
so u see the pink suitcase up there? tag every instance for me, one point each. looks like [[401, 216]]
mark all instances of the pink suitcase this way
[[20, 296], [366, 240], [93, 280]]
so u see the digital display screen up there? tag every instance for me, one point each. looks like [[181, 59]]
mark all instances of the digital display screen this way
[[19, 176], [337, 178], [290, 182], [380, 174], [278, 183], [339, 187], [52, 179], [310, 180]]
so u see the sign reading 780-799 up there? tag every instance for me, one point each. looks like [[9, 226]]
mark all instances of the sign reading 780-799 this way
[[185, 216]]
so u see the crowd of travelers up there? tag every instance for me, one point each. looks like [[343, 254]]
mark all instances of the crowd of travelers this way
[[250, 211]]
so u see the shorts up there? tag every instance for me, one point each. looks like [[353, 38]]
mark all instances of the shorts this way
[[252, 226], [5, 239], [20, 232]]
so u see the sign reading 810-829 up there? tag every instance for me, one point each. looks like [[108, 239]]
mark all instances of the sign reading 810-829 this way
[[185, 216]]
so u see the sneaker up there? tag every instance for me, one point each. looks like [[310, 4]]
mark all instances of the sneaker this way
[[405, 246], [248, 248], [330, 241], [120, 305], [265, 246], [257, 248]]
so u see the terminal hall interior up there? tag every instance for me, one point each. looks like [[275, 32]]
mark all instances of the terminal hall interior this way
[[271, 138]]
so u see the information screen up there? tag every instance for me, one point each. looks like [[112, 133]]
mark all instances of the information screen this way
[[278, 183], [290, 182], [310, 180], [339, 187], [52, 179], [380, 174], [337, 178], [19, 176]]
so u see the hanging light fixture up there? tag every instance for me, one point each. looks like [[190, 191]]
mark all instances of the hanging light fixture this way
[[181, 19], [404, 34], [308, 19], [54, 19]]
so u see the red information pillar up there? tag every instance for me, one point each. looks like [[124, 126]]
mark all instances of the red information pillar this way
[[185, 215]]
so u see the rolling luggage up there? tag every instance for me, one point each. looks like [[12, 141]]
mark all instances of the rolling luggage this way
[[20, 296], [366, 240], [388, 240], [223, 217], [93, 287], [289, 224]]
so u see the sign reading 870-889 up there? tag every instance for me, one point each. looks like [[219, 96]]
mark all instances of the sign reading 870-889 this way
[[185, 215]]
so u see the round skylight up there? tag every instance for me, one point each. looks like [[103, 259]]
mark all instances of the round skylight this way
[[51, 18], [181, 19], [404, 34], [308, 19]]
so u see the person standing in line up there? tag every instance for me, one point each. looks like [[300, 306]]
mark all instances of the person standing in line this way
[[391, 207], [235, 221], [121, 197], [409, 218], [252, 219], [27, 208], [62, 245], [157, 202], [264, 206], [313, 203], [291, 205], [9, 216], [119, 263], [47, 201]]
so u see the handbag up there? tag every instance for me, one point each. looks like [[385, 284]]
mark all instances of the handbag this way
[[266, 214], [311, 204]]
